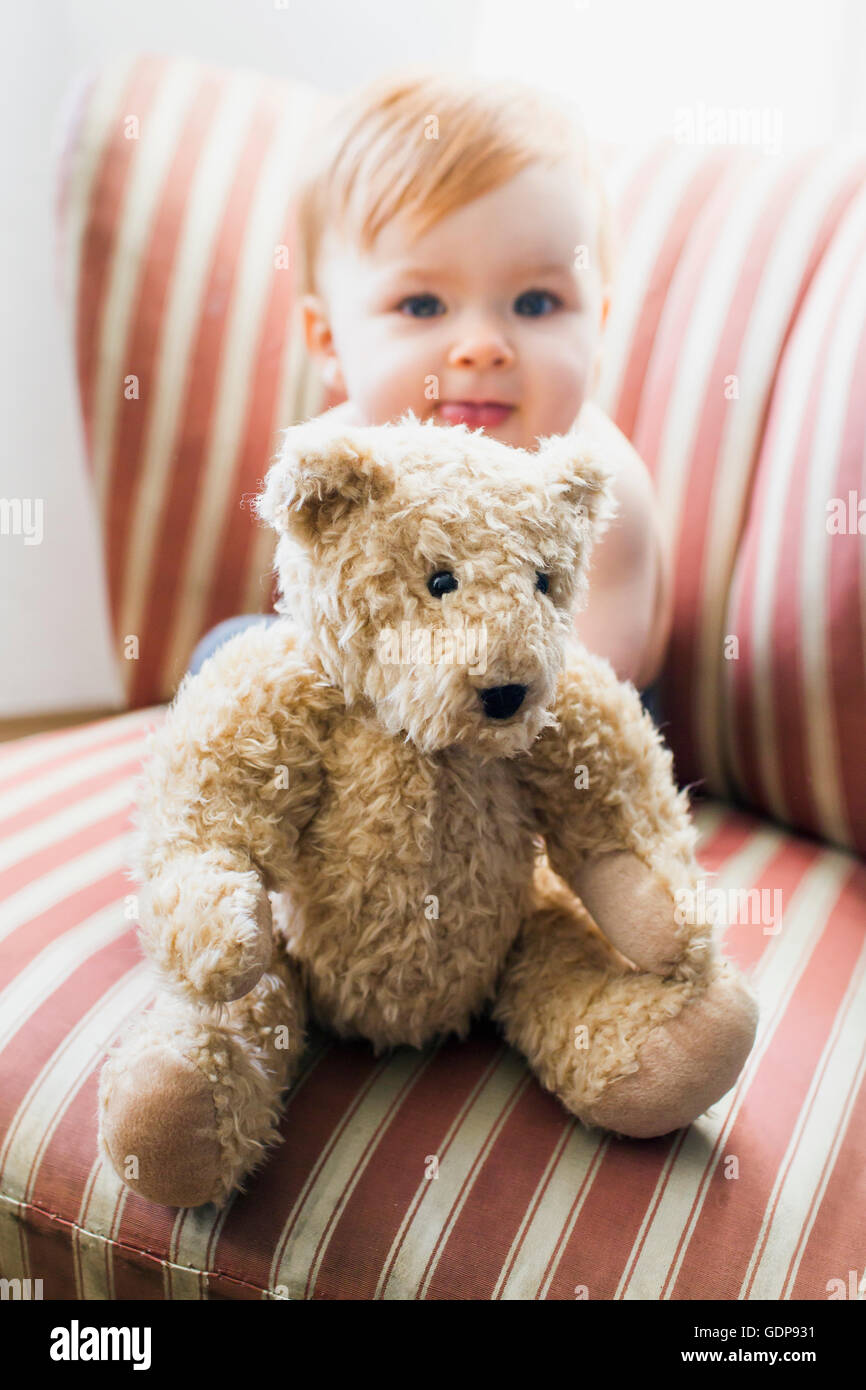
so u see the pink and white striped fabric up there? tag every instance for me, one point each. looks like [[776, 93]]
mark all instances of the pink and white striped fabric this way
[[794, 705], [177, 247], [740, 299], [763, 1198]]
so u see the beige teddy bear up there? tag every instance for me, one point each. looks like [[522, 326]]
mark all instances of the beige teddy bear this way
[[412, 796]]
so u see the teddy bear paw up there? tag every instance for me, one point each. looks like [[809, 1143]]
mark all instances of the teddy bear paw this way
[[686, 1064], [209, 932], [159, 1128]]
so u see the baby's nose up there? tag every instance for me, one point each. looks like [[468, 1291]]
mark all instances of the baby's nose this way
[[481, 350]]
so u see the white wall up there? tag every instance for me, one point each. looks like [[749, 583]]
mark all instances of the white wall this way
[[53, 633]]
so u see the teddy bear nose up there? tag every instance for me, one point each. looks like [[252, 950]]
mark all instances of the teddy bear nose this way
[[501, 701]]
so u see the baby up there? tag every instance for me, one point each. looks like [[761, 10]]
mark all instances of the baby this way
[[456, 260]]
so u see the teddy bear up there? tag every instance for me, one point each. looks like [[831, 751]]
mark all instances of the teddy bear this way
[[414, 797]]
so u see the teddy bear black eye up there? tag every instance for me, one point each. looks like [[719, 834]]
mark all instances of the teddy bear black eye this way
[[441, 583], [542, 581]]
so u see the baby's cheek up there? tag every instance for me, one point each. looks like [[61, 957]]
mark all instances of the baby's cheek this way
[[567, 382], [559, 402], [392, 382]]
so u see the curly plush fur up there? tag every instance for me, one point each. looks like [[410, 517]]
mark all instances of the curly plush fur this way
[[334, 821]]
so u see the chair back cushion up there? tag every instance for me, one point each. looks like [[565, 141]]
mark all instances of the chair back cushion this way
[[734, 360], [177, 250]]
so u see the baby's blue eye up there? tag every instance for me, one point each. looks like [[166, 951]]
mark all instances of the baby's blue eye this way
[[531, 304], [421, 306]]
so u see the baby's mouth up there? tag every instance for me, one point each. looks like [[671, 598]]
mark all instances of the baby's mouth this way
[[475, 414]]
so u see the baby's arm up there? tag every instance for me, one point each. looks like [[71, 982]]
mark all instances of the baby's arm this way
[[629, 609]]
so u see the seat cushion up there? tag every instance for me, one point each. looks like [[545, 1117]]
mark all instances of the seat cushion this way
[[754, 1200]]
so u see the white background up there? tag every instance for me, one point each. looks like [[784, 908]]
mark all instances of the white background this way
[[630, 65]]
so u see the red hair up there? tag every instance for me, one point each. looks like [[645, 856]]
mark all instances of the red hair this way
[[423, 143]]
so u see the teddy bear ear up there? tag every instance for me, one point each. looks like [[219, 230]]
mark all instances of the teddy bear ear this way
[[579, 476], [321, 472]]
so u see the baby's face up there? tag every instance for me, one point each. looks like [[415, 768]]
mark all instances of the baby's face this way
[[490, 317]]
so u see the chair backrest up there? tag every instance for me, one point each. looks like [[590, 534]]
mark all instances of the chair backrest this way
[[735, 360], [177, 245], [732, 356]]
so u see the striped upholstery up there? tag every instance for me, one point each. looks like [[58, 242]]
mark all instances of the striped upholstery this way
[[795, 702], [174, 206], [527, 1204], [715, 328]]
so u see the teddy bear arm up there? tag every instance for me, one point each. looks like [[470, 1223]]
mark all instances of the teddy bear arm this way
[[616, 828], [228, 788]]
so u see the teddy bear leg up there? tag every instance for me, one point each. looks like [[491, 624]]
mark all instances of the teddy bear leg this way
[[190, 1099], [623, 1049]]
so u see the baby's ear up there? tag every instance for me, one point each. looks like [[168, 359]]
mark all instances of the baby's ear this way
[[575, 474], [323, 471]]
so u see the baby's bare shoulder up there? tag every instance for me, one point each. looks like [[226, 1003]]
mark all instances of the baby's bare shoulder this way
[[346, 413], [615, 448]]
